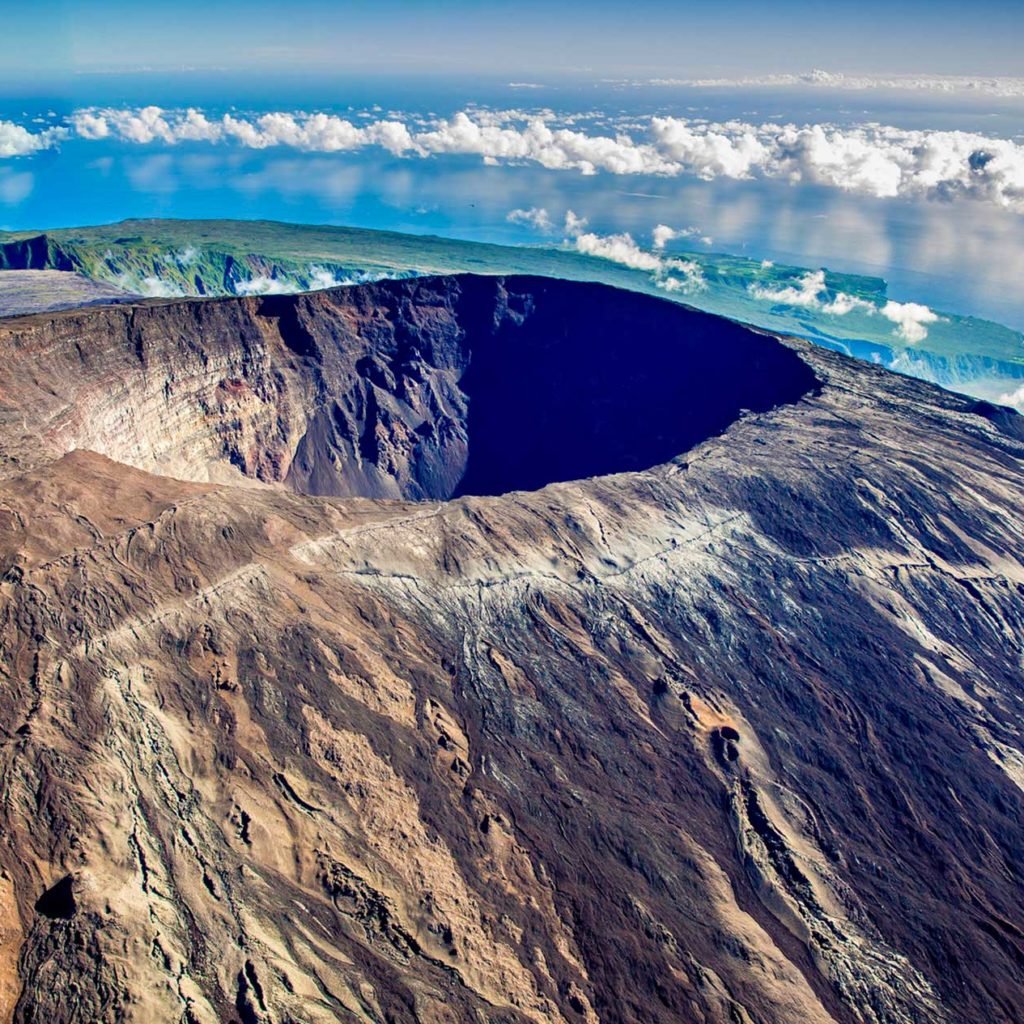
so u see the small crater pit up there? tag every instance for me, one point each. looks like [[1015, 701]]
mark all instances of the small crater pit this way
[[724, 742]]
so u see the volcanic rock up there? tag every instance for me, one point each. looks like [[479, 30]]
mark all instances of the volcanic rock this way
[[468, 649]]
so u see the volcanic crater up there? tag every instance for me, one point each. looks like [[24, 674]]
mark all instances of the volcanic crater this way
[[425, 389]]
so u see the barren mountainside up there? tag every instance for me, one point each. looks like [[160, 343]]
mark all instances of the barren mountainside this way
[[508, 650]]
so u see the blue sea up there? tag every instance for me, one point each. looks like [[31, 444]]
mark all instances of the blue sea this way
[[962, 257]]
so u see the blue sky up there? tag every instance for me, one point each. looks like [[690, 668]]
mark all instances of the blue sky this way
[[49, 39]]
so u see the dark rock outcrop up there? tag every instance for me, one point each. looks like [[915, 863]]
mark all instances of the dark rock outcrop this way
[[734, 737]]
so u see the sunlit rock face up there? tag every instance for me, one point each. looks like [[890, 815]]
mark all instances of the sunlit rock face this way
[[731, 734]]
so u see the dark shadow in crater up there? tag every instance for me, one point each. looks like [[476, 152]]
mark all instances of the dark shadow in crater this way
[[579, 380]]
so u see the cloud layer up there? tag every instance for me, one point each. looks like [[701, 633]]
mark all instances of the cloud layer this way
[[871, 159], [980, 86], [535, 217]]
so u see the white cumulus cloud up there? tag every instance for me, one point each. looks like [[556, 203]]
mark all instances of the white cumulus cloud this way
[[811, 291], [681, 276], [574, 224], [672, 275], [151, 287], [16, 140], [323, 277], [662, 234], [263, 285], [185, 258], [873, 159], [805, 292], [1014, 399], [535, 217], [619, 249], [910, 319]]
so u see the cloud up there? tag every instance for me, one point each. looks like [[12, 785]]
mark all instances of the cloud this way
[[89, 125], [662, 235], [619, 249], [681, 276], [319, 278], [320, 133], [910, 319], [1014, 399], [574, 225], [844, 303], [262, 285], [142, 126], [322, 277], [872, 159], [18, 141], [150, 287], [811, 291], [711, 151], [536, 217], [154, 287], [537, 142], [185, 258], [672, 275], [805, 293], [983, 86]]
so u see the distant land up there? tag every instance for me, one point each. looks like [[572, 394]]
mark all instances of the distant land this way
[[176, 258]]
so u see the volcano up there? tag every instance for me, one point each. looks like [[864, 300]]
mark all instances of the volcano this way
[[501, 650]]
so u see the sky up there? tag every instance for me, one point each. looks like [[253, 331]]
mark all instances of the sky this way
[[881, 138], [48, 40]]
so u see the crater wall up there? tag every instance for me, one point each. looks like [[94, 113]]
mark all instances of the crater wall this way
[[421, 388]]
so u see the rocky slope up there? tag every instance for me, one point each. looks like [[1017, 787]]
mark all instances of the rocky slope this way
[[731, 735]]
